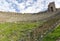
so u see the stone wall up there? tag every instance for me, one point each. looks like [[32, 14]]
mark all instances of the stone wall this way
[[14, 17]]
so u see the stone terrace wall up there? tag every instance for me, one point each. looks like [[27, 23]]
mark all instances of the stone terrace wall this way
[[14, 17]]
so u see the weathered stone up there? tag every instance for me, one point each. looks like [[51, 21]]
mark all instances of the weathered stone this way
[[51, 7]]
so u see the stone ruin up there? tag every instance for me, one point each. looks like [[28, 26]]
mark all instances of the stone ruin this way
[[51, 7]]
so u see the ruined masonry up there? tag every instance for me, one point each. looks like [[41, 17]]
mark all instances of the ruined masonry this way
[[51, 7]]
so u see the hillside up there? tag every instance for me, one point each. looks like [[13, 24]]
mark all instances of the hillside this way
[[29, 27], [15, 26], [15, 31]]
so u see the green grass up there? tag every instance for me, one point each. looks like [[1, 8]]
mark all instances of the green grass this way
[[14, 31], [54, 35]]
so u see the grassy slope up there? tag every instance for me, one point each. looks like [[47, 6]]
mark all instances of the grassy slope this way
[[54, 35], [13, 31]]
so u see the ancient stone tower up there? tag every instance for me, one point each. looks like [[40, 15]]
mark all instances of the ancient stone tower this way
[[51, 7]]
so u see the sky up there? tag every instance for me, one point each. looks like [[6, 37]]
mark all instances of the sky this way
[[26, 6]]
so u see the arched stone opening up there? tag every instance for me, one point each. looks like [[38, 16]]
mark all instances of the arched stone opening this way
[[51, 9]]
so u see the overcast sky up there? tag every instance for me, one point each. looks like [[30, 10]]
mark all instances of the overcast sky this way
[[26, 6]]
